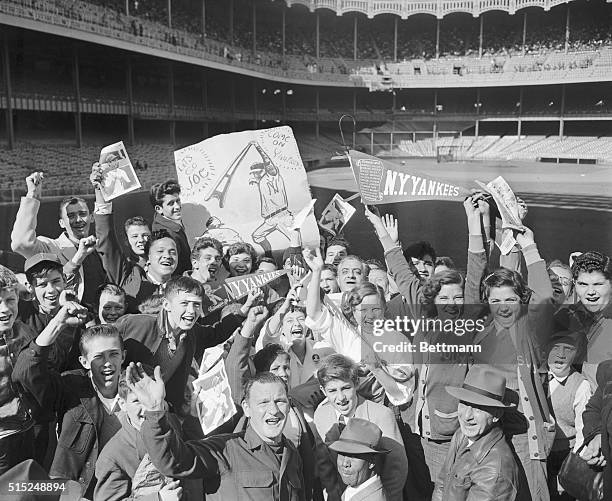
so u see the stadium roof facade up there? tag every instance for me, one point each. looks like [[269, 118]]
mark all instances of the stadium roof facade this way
[[438, 8]]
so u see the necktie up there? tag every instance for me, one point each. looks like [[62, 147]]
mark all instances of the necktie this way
[[341, 423]]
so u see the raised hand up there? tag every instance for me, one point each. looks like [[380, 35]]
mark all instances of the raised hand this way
[[96, 177], [524, 238], [149, 391], [253, 297], [71, 313], [390, 224], [87, 246], [312, 257], [34, 184], [470, 205], [257, 315]]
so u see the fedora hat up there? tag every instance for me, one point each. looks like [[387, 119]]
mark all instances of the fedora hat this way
[[483, 385], [359, 437]]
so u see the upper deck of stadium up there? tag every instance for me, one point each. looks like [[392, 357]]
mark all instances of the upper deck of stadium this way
[[349, 43]]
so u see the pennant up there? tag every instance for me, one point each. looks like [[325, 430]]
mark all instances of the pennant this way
[[381, 182], [234, 288]]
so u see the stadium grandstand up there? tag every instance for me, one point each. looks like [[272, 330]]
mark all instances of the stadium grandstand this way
[[446, 79]]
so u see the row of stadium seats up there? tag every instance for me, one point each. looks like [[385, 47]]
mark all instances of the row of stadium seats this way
[[512, 147], [66, 166], [144, 29]]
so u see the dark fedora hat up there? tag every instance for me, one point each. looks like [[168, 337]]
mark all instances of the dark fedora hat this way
[[483, 385], [359, 437]]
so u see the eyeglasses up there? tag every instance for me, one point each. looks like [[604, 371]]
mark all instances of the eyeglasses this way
[[565, 280]]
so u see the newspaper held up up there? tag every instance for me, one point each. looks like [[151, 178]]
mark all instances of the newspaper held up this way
[[214, 402], [510, 208], [118, 175], [336, 215]]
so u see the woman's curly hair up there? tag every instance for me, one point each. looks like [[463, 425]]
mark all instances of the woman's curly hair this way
[[354, 297], [432, 287], [503, 277]]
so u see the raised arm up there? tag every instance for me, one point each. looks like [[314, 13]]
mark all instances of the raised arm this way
[[169, 454], [23, 237], [31, 369], [237, 361], [477, 256], [314, 308], [405, 276], [109, 248]]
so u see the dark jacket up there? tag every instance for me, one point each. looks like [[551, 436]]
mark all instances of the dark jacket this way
[[484, 471], [238, 368], [143, 335], [119, 461], [597, 418], [121, 268], [177, 232], [74, 399], [237, 466], [17, 407]]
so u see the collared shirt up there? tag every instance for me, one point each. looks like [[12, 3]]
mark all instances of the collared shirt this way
[[581, 397], [350, 492], [111, 405]]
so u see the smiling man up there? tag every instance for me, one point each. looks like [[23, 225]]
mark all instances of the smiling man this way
[[479, 464], [124, 454], [75, 221], [257, 464], [174, 337], [166, 200], [338, 377], [85, 400]]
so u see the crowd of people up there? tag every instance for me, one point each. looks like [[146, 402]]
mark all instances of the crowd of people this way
[[400, 378]]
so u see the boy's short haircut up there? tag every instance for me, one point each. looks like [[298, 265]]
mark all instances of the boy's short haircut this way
[[157, 235], [113, 289], [241, 248], [332, 268], [339, 241], [337, 366], [263, 378], [152, 305], [266, 259], [375, 263], [419, 249], [104, 330], [41, 269], [264, 358], [123, 389], [135, 221], [159, 190], [183, 284], [205, 243], [445, 261], [592, 261], [70, 201], [8, 280]]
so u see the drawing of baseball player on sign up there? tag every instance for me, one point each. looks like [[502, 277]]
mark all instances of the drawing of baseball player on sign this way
[[273, 199]]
